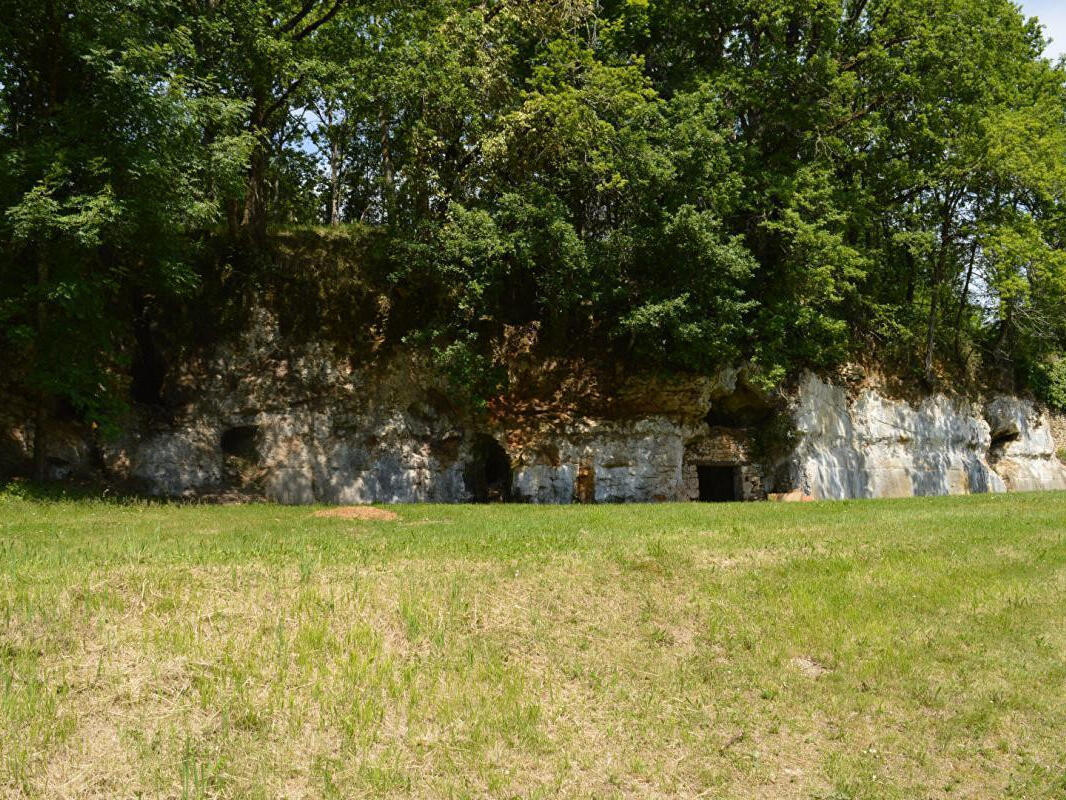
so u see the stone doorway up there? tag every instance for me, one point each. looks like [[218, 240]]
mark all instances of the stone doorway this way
[[718, 483]]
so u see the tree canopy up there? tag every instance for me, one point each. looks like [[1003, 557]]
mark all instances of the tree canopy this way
[[787, 183]]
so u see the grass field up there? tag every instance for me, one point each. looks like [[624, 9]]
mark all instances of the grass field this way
[[887, 649]]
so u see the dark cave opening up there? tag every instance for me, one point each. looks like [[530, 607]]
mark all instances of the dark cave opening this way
[[718, 484], [488, 474], [241, 442], [998, 445]]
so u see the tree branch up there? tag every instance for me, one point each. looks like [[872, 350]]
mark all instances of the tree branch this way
[[301, 15], [275, 107], [333, 11]]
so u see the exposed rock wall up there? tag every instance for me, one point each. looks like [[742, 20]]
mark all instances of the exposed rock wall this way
[[296, 423], [1023, 450], [320, 431], [606, 463], [312, 429], [1058, 434], [868, 445]]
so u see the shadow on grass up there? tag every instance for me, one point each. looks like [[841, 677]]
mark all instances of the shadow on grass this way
[[77, 490], [100, 491]]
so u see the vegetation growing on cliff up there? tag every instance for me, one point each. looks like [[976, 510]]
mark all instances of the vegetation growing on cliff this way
[[788, 182]]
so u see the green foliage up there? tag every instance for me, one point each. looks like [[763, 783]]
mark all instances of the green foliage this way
[[105, 183], [675, 185], [774, 440], [1049, 381], [473, 377]]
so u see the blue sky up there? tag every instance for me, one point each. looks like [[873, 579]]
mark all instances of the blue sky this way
[[1053, 14]]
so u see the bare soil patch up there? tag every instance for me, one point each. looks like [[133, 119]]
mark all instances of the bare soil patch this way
[[358, 512]]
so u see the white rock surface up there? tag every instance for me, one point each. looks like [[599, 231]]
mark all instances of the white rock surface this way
[[869, 445], [611, 462], [325, 431], [1023, 450], [379, 445], [179, 462]]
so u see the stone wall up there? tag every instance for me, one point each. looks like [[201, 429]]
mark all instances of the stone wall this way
[[321, 430], [1058, 434], [721, 447], [651, 460], [605, 462]]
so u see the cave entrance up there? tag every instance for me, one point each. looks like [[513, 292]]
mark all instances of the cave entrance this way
[[1000, 441], [241, 442], [488, 475], [718, 483]]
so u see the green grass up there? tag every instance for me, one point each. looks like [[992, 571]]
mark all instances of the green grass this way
[[889, 649]]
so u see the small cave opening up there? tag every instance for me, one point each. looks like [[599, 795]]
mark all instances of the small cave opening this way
[[488, 474], [241, 442], [148, 369], [718, 483], [999, 443]]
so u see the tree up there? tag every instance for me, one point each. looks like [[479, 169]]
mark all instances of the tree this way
[[262, 53], [105, 184], [791, 183]]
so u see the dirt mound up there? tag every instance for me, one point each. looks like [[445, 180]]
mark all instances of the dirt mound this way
[[357, 512]]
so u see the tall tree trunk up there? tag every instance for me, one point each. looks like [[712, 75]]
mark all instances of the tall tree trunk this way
[[253, 218], [937, 277], [934, 307], [388, 188], [335, 184], [42, 415], [962, 300]]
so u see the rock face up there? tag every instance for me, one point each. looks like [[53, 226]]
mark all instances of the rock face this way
[[1023, 450], [299, 425], [870, 446], [296, 423], [605, 463]]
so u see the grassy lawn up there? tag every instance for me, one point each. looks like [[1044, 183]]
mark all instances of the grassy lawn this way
[[888, 649]]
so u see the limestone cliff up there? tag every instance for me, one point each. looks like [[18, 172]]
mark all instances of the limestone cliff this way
[[298, 423], [867, 445]]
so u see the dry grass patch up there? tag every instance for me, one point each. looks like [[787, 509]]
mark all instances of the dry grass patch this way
[[358, 512]]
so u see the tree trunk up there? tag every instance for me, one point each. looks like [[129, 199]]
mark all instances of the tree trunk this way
[[335, 184], [930, 335], [253, 218], [388, 189], [42, 415], [963, 299], [934, 298]]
